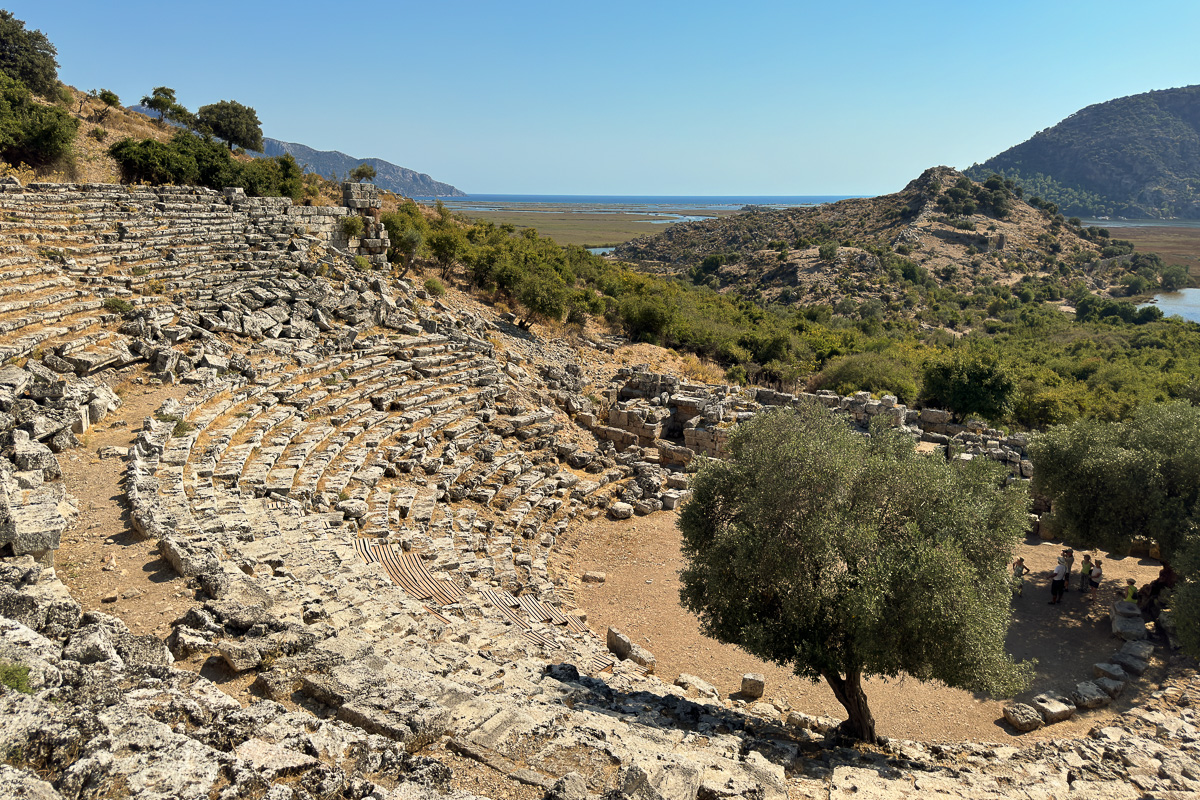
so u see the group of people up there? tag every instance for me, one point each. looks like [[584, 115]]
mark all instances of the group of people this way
[[1148, 598], [1090, 574]]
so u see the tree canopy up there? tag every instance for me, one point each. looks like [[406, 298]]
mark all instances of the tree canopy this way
[[235, 123], [30, 132], [845, 556], [27, 55], [969, 381], [1111, 482], [162, 100], [363, 172]]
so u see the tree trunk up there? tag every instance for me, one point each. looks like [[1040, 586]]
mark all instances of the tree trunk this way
[[849, 692]]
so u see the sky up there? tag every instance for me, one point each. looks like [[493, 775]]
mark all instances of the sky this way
[[650, 98]]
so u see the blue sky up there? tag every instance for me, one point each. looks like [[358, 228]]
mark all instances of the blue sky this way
[[780, 98]]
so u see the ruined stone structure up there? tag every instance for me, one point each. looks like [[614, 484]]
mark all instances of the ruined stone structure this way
[[369, 496]]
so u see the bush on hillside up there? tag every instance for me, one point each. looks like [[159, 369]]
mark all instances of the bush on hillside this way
[[30, 132], [435, 287], [193, 159], [868, 372]]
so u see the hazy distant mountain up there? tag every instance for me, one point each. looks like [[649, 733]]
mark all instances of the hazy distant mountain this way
[[1136, 156], [327, 162], [387, 175]]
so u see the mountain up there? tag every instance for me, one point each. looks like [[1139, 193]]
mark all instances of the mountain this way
[[941, 237], [1136, 156], [387, 175]]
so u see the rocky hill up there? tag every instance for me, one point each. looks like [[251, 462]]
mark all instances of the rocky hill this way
[[388, 176], [1136, 156], [278, 526], [941, 232]]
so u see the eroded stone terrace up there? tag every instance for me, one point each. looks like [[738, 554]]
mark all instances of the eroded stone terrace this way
[[372, 495]]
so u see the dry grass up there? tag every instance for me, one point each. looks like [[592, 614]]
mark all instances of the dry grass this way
[[1175, 245], [700, 370], [580, 227]]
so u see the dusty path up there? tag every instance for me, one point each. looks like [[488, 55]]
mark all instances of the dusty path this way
[[102, 560], [641, 597]]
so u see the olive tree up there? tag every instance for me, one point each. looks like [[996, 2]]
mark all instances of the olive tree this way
[[1111, 482], [447, 245], [845, 556], [363, 172], [235, 123], [162, 100]]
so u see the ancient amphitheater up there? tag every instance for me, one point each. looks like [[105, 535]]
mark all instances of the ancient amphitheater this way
[[375, 497]]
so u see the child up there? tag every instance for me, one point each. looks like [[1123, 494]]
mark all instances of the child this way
[[1131, 592], [1019, 570], [1085, 571], [1069, 562]]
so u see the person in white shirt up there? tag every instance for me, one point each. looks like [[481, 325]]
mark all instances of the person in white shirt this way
[[1058, 582]]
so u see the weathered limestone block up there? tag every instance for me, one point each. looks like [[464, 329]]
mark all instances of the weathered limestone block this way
[[701, 686], [620, 511], [1023, 717], [1131, 665], [658, 780], [240, 656], [624, 648], [29, 455], [1053, 708], [1088, 695], [753, 685], [1127, 622], [1105, 670]]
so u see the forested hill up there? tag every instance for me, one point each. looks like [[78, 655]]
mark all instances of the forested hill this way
[[388, 176], [1136, 156]]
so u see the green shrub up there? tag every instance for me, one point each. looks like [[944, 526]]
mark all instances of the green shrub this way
[[189, 158], [868, 372], [434, 287], [352, 226], [15, 677], [32, 133], [98, 133], [118, 305], [150, 161], [362, 263]]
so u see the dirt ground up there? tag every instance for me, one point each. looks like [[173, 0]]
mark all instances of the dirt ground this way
[[102, 560], [641, 597]]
